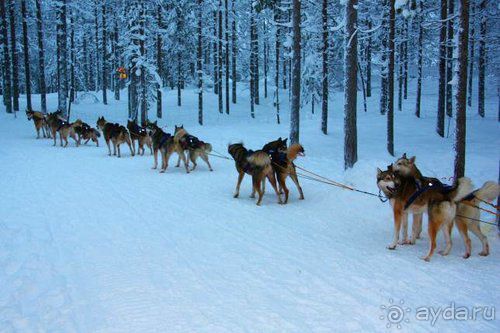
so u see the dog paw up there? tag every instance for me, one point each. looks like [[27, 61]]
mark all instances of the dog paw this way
[[483, 254], [466, 256], [301, 198], [236, 195], [391, 247], [427, 259], [443, 253]]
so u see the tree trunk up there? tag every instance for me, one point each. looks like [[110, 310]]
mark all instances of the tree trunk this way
[[324, 79], [219, 84], [86, 63], [449, 59], [97, 65], [350, 84], [383, 67], [144, 102], [296, 73], [7, 98], [265, 58], [13, 50], [41, 56], [390, 80], [482, 59], [199, 63], [471, 56], [461, 96], [72, 59], [62, 61], [405, 60], [251, 67], [233, 47], [159, 61], [104, 56], [442, 71], [26, 55], [277, 19], [369, 62], [226, 11], [400, 75], [117, 62], [420, 59]]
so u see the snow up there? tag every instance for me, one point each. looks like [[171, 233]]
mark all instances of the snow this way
[[91, 243]]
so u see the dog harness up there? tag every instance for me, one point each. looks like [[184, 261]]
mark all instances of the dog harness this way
[[164, 139], [420, 190], [191, 142]]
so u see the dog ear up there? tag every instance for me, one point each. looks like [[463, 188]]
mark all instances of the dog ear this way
[[412, 159], [379, 172], [284, 141], [404, 156]]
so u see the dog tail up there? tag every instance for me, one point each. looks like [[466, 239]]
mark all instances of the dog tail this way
[[463, 189], [208, 147], [259, 158], [488, 192], [96, 132]]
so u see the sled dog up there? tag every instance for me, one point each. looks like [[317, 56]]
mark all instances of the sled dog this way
[[193, 146], [115, 133], [407, 196], [58, 124], [86, 132], [255, 163], [139, 134], [164, 143], [39, 121]]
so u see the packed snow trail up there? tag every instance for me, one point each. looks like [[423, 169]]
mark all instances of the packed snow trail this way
[[91, 243]]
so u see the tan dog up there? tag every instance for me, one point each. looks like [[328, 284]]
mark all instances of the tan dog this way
[[39, 121], [117, 134], [194, 147], [440, 204]]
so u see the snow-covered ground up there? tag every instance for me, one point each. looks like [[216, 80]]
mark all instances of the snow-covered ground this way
[[91, 243]]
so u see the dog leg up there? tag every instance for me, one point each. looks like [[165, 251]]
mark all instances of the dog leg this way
[[109, 148], [272, 180], [448, 227], [432, 229], [204, 157], [118, 149], [416, 228], [295, 179], [282, 185], [55, 139], [256, 182], [132, 150], [183, 158], [240, 179], [87, 141], [398, 212], [179, 161], [404, 231], [476, 230], [37, 133], [462, 228], [192, 158], [155, 156]]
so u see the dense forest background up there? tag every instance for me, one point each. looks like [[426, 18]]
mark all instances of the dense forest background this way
[[305, 48]]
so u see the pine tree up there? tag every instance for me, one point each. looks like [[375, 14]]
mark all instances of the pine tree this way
[[383, 58], [62, 37], [296, 73], [7, 97], [199, 67], [26, 55], [233, 57], [324, 79], [482, 58], [390, 80], [226, 45], [442, 71], [471, 50], [14, 56], [159, 60], [461, 96], [350, 84], [420, 58], [449, 59], [104, 55]]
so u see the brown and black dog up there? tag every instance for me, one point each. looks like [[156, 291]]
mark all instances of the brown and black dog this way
[[193, 146], [139, 134], [58, 124], [86, 132], [406, 196], [166, 144], [115, 133], [255, 163], [40, 123], [282, 159]]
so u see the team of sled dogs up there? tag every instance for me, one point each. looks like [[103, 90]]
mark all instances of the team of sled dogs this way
[[408, 191]]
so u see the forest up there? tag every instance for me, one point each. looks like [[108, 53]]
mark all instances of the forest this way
[[307, 48]]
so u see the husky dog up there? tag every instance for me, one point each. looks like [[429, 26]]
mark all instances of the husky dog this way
[[467, 217], [282, 161], [194, 147], [139, 134], [255, 163], [283, 167], [165, 144], [39, 121], [115, 133], [86, 132], [407, 196], [59, 125]]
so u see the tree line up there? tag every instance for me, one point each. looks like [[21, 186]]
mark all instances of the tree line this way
[[300, 50]]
